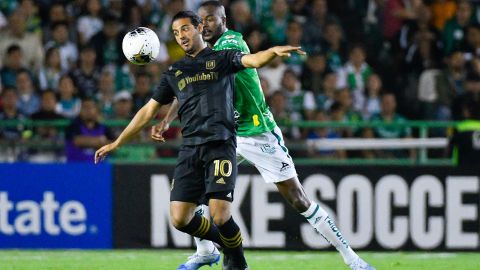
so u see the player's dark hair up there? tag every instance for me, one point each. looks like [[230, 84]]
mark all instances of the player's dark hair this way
[[211, 3], [194, 18], [13, 48]]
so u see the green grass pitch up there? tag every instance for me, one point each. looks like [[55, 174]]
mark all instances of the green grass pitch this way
[[258, 260]]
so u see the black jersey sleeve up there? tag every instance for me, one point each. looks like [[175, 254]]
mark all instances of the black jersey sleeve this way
[[234, 61], [164, 93]]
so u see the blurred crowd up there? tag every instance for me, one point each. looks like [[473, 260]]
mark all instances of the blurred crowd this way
[[378, 60]]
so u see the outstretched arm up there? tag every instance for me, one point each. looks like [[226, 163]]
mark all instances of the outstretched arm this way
[[160, 128], [139, 121], [262, 58]]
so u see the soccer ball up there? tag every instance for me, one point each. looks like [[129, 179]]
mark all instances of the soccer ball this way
[[141, 46]]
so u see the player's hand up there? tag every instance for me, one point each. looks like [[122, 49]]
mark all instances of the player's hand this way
[[287, 50], [101, 153], [158, 130]]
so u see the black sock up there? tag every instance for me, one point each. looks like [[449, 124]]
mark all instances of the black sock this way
[[231, 239], [202, 228]]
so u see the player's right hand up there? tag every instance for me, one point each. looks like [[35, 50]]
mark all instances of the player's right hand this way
[[158, 130], [101, 153]]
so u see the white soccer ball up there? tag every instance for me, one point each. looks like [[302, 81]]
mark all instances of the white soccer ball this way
[[141, 46]]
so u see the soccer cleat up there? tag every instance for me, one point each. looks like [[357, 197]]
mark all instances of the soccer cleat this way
[[230, 264], [360, 264], [196, 261]]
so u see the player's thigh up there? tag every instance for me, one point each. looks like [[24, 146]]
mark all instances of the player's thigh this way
[[187, 184], [269, 155], [220, 170]]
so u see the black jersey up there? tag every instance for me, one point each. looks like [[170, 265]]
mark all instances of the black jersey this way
[[204, 87]]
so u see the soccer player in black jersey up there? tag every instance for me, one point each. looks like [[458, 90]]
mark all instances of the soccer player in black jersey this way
[[203, 83]]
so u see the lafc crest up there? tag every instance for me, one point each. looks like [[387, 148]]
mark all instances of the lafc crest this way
[[210, 64]]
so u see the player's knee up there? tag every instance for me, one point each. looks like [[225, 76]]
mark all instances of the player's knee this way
[[179, 221], [219, 220]]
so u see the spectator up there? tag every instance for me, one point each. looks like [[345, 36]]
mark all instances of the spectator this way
[[454, 33], [45, 133], [313, 73], [68, 49], [421, 42], [354, 75], [33, 22], [15, 33], [13, 63], [51, 70], [388, 114], [350, 114], [446, 85], [275, 25], [372, 102], [442, 11], [278, 106], [273, 73], [326, 96], [106, 92], [241, 18], [334, 46], [86, 134], [69, 105], [56, 14], [28, 100], [323, 133], [142, 92], [122, 108], [256, 39], [11, 134], [315, 24], [396, 13], [90, 22], [10, 111], [294, 38], [473, 41], [298, 101], [86, 75], [107, 43]]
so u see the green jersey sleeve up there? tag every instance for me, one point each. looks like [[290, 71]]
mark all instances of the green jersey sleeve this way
[[252, 113]]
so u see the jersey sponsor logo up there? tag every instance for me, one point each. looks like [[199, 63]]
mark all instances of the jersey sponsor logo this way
[[256, 122], [285, 166], [210, 64], [267, 148], [220, 181], [229, 36], [210, 76]]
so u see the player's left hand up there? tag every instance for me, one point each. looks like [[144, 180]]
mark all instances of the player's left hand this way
[[101, 153], [158, 130], [287, 50]]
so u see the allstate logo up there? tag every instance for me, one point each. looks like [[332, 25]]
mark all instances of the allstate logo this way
[[29, 217]]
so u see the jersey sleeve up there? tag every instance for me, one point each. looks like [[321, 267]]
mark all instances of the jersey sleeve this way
[[164, 93], [234, 61]]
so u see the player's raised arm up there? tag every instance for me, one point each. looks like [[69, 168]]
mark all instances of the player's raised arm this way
[[262, 58], [139, 121]]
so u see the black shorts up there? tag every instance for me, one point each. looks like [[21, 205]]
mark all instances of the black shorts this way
[[205, 171]]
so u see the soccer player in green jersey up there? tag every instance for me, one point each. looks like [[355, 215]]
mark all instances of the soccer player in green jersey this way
[[259, 141]]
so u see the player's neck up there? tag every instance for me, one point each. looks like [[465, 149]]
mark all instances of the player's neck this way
[[198, 50], [213, 42]]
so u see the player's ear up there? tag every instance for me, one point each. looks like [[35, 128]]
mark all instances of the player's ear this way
[[224, 21], [200, 28]]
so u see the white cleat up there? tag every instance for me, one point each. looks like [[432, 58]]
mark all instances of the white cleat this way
[[196, 261], [360, 264]]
